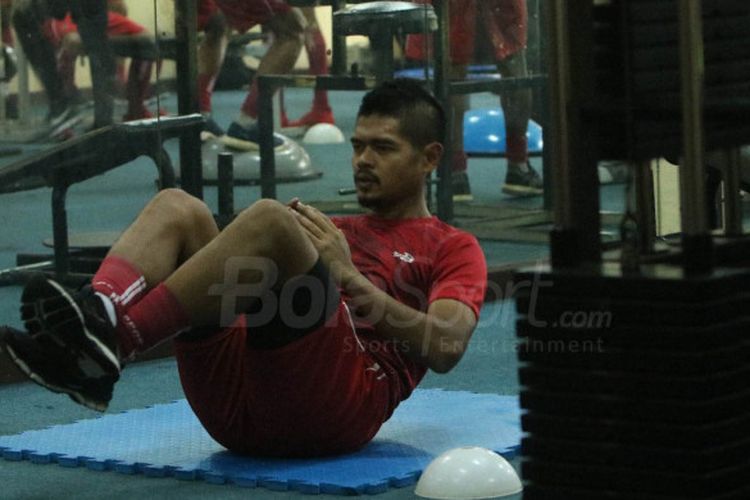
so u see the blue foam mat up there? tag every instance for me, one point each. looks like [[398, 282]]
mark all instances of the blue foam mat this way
[[167, 440]]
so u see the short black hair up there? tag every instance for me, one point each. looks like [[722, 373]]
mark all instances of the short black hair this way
[[420, 115]]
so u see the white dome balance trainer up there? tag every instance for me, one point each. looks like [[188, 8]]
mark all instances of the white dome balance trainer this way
[[467, 473], [323, 133], [292, 161]]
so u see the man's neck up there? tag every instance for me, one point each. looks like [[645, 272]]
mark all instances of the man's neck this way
[[403, 212]]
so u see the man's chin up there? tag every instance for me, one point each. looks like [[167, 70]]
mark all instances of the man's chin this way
[[367, 202]]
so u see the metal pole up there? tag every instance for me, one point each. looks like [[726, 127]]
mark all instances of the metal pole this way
[[338, 44], [265, 138], [443, 93], [225, 186], [60, 230], [191, 167], [732, 199], [695, 228], [557, 138], [533, 46], [3, 72], [559, 85], [644, 206]]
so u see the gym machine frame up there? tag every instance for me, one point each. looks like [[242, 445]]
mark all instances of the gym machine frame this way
[[658, 406]]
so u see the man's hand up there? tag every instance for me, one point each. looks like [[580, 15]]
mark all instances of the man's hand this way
[[327, 239]]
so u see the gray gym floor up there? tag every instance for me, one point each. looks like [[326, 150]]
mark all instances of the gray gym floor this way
[[110, 202]]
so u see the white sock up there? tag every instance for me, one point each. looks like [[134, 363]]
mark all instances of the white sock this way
[[109, 307], [246, 121]]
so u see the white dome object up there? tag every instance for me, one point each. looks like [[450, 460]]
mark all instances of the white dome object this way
[[467, 473], [292, 161], [323, 133]]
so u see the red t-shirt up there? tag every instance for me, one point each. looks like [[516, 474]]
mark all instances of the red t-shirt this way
[[415, 261]]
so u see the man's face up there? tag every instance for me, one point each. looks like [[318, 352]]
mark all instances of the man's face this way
[[388, 170]]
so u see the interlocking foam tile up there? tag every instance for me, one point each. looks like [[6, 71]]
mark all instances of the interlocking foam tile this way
[[168, 440]]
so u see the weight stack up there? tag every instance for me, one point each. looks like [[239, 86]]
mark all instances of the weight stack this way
[[635, 386]]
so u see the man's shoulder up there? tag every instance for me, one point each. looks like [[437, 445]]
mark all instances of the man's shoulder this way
[[424, 226], [450, 231], [342, 221]]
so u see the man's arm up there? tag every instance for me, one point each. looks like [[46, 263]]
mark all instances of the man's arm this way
[[436, 338]]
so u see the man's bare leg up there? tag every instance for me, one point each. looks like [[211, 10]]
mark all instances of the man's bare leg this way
[[213, 47], [288, 30], [521, 179], [516, 105], [317, 56], [265, 231], [211, 54], [169, 230], [459, 105]]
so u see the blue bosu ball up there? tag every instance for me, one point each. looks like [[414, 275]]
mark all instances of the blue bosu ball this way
[[484, 133]]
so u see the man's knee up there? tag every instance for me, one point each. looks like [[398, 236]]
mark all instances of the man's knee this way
[[181, 206], [289, 26], [271, 214], [216, 27], [277, 235], [270, 220]]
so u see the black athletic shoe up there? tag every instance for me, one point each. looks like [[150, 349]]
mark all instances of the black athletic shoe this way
[[50, 366], [522, 182], [75, 327], [250, 134]]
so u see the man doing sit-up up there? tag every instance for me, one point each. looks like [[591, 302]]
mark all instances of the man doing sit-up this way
[[295, 334]]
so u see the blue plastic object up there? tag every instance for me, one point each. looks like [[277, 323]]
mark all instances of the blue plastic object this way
[[484, 133], [168, 441]]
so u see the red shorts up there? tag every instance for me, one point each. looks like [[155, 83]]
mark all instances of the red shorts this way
[[241, 15], [319, 395], [117, 25], [506, 23]]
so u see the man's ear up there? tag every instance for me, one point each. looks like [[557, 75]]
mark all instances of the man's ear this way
[[433, 153]]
